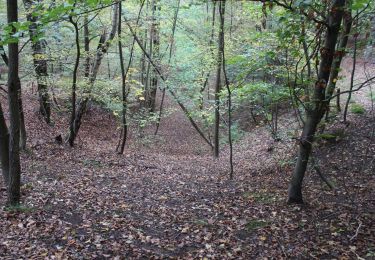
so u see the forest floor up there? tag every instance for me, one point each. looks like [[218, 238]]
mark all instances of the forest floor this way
[[166, 197]]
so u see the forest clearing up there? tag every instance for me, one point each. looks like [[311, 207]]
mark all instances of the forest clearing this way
[[187, 129]]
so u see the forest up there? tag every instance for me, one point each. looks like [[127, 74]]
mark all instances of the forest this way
[[187, 129]]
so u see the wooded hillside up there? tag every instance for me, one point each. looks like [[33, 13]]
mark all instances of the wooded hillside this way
[[187, 129]]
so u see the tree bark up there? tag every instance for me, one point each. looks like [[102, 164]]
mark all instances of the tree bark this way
[[169, 62], [340, 53], [86, 38], [351, 78], [318, 108], [14, 86], [218, 82], [4, 147], [74, 83], [155, 36], [40, 62], [124, 74], [103, 47]]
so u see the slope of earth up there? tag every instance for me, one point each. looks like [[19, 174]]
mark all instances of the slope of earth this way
[[171, 199]]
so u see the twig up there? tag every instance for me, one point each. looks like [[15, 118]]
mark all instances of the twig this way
[[357, 231]]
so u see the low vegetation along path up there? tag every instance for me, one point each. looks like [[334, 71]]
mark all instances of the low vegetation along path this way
[[169, 198]]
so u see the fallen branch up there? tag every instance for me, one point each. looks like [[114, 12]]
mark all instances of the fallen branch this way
[[321, 175]]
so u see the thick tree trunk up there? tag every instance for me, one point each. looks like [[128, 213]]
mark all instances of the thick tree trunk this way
[[318, 108], [40, 62], [14, 85], [4, 147]]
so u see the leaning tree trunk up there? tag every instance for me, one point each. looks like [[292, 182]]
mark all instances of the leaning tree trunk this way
[[4, 147], [341, 52], [14, 85], [318, 108], [40, 61]]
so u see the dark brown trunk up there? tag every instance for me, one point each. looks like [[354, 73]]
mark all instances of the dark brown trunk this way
[[86, 37], [103, 47], [169, 62], [72, 130], [155, 35], [318, 108], [340, 53], [218, 83], [4, 147], [14, 86]]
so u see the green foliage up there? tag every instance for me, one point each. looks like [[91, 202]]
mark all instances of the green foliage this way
[[19, 209], [357, 108], [255, 224]]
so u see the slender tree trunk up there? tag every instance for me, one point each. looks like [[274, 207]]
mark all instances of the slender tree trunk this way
[[123, 84], [4, 147], [40, 62], [169, 62], [86, 38], [222, 17], [14, 86], [74, 83], [103, 47], [155, 35], [316, 111], [351, 78], [340, 53], [173, 94], [211, 41], [338, 103], [218, 82], [23, 135], [124, 74]]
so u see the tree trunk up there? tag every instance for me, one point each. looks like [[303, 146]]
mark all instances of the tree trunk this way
[[351, 78], [155, 35], [23, 135], [340, 53], [40, 62], [4, 147], [169, 63], [86, 38], [316, 111], [103, 47], [14, 85], [218, 82], [72, 130]]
